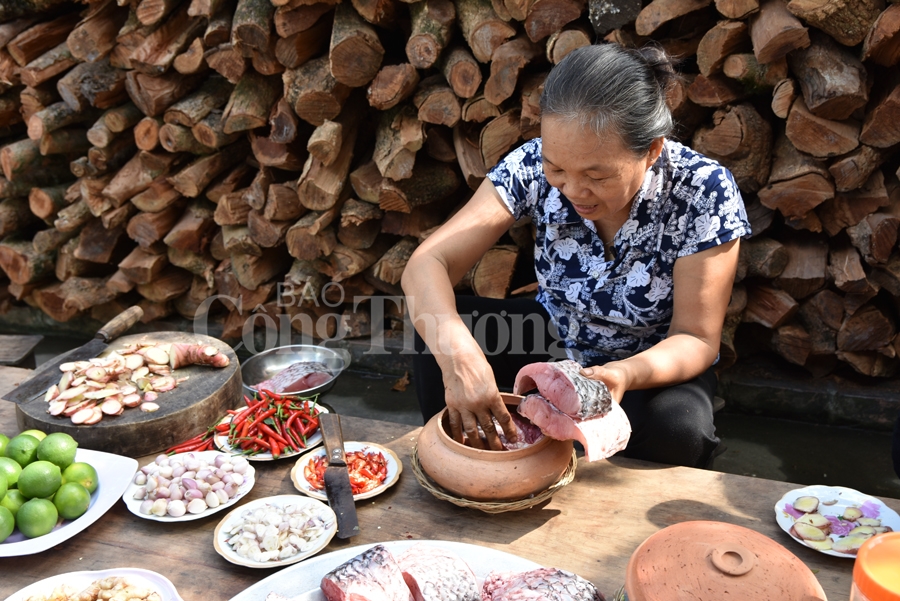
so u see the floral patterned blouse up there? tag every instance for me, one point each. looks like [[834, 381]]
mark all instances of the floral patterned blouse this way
[[612, 309]]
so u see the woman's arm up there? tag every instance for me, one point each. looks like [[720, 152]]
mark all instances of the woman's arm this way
[[440, 262], [702, 290]]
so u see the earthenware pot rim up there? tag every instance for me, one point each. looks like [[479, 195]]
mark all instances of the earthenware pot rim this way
[[490, 455]]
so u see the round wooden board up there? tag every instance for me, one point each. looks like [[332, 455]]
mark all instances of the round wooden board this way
[[190, 408]]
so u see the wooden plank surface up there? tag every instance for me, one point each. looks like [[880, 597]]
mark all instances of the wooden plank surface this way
[[18, 350], [591, 527]]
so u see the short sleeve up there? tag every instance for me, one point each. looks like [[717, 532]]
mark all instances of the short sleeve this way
[[519, 179], [715, 209]]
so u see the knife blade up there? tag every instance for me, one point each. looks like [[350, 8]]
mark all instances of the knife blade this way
[[48, 374], [337, 479]]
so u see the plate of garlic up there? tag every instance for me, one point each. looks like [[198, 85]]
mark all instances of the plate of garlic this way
[[275, 531]]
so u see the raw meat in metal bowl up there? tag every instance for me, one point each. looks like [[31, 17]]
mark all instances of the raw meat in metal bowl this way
[[297, 377]]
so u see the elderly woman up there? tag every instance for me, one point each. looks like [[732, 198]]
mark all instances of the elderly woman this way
[[635, 254]]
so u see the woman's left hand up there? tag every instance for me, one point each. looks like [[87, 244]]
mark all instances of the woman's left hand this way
[[614, 375]]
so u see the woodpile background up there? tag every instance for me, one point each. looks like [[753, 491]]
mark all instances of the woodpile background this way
[[163, 151]]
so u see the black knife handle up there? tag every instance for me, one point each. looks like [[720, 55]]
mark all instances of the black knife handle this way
[[120, 324], [330, 423]]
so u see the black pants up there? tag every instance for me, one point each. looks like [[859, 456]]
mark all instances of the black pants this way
[[895, 450], [672, 425]]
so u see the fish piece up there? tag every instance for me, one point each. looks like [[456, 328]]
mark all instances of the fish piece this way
[[528, 433], [373, 575], [602, 436], [434, 574], [297, 377], [542, 584], [562, 384]]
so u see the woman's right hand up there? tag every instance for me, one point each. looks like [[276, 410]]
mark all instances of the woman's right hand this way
[[473, 399]]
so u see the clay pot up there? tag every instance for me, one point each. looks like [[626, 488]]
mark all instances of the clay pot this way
[[712, 561], [480, 475]]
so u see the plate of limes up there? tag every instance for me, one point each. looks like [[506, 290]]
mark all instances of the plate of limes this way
[[82, 484]]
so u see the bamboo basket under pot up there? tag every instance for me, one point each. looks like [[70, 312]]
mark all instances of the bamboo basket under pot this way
[[482, 475]]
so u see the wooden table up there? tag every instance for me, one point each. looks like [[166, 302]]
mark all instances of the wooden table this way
[[591, 527]]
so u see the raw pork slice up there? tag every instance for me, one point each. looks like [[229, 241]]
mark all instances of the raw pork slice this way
[[433, 574], [543, 584], [298, 377], [563, 385], [373, 575], [602, 436]]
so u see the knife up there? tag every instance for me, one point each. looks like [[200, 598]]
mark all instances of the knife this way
[[49, 374], [337, 479]]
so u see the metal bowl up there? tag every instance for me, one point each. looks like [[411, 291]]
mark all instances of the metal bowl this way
[[268, 363]]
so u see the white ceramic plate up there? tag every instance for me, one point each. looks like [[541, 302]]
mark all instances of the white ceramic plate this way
[[394, 467], [134, 505], [844, 498], [114, 473], [234, 517], [301, 582], [81, 580], [221, 441]]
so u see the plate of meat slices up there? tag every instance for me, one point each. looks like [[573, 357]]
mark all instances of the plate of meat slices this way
[[372, 468], [461, 570], [833, 519]]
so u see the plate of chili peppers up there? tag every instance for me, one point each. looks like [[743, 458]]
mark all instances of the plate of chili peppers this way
[[372, 469], [270, 427]]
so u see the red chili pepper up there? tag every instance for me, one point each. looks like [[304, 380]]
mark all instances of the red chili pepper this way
[[185, 447], [263, 443], [264, 415], [297, 438], [265, 429], [181, 447], [276, 448], [290, 421]]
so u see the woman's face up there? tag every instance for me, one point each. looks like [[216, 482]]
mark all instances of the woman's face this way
[[598, 174]]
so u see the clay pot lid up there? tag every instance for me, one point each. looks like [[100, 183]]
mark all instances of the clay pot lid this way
[[711, 561]]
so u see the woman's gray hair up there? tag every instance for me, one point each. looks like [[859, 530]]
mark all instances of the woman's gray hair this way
[[610, 89]]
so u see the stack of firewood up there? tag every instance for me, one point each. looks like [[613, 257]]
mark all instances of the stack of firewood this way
[[162, 152]]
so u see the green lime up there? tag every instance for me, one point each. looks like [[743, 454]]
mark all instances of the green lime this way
[[58, 448], [36, 433], [11, 470], [82, 473], [40, 479], [3, 486], [7, 523], [4, 440], [22, 449], [37, 517], [72, 500], [13, 500]]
